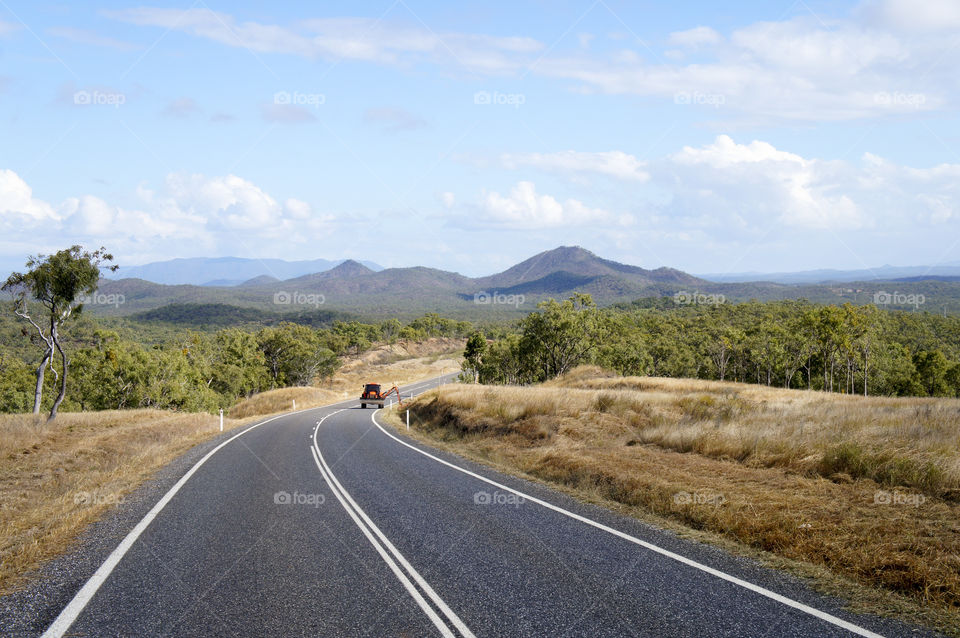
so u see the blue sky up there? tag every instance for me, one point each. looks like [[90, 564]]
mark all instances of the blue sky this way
[[710, 137]]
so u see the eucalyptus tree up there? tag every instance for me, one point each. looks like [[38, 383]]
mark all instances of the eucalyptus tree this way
[[48, 295]]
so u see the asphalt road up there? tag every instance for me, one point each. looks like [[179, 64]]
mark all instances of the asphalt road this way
[[322, 523]]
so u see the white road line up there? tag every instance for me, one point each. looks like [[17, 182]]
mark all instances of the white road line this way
[[437, 621], [82, 598], [353, 509], [73, 609], [822, 615]]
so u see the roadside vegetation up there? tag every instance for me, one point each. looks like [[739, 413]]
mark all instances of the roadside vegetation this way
[[868, 488], [134, 367], [847, 349]]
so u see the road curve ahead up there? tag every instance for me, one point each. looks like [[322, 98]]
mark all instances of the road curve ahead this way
[[323, 523]]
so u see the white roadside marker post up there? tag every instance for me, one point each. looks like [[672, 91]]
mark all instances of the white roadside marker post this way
[[408, 419], [294, 404], [221, 419]]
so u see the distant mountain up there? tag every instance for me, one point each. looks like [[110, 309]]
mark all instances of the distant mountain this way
[[262, 280], [880, 273], [224, 271], [354, 288], [578, 261]]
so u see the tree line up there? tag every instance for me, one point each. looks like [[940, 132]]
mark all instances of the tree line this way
[[190, 371], [197, 371], [856, 349]]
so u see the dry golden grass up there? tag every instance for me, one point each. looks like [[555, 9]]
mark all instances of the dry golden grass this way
[[907, 442], [803, 475], [56, 478]]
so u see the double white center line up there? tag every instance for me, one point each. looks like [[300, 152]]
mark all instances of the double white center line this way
[[399, 565]]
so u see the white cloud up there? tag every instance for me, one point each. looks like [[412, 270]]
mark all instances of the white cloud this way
[[696, 37], [610, 163], [868, 64], [18, 206], [341, 38], [797, 69], [523, 207], [912, 16], [191, 210], [228, 202], [755, 182], [298, 209], [731, 188], [757, 185]]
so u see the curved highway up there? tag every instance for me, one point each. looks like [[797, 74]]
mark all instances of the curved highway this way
[[324, 523]]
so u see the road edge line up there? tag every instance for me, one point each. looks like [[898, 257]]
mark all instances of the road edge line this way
[[69, 614], [812, 611]]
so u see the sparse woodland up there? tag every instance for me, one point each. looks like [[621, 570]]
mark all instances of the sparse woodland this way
[[136, 366], [789, 344]]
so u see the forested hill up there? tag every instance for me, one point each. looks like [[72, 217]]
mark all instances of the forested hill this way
[[352, 287]]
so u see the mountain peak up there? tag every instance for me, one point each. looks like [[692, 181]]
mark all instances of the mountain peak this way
[[348, 268], [261, 280], [578, 262]]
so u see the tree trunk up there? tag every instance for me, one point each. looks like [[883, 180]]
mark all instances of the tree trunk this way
[[866, 359], [63, 382], [41, 370]]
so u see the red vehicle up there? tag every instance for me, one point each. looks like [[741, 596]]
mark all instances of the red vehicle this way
[[373, 395]]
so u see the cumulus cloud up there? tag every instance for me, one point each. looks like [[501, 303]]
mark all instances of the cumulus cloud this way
[[188, 209], [756, 181], [615, 164], [18, 207], [523, 207], [733, 188]]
